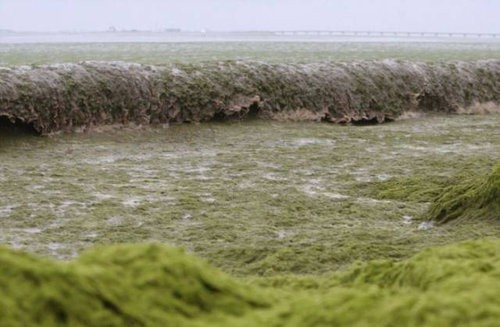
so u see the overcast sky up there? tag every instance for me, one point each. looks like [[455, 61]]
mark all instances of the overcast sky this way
[[380, 15]]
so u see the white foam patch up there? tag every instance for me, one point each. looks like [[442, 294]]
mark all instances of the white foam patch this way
[[425, 225], [407, 220], [102, 196], [132, 202], [273, 177], [335, 196], [7, 210], [114, 221], [55, 246], [33, 230], [371, 201], [312, 141], [207, 197], [91, 235], [281, 234], [314, 190]]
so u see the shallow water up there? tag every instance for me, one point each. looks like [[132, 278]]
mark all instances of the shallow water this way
[[279, 50]]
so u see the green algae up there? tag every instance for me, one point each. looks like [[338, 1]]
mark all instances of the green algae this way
[[252, 198], [456, 285], [451, 286], [81, 95], [275, 52], [195, 186], [125, 285], [417, 189], [297, 202], [468, 198], [151, 285]]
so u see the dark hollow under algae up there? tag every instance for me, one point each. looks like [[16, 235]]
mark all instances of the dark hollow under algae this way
[[67, 96]]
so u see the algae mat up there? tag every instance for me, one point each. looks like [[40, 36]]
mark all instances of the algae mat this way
[[252, 198], [276, 52], [151, 285]]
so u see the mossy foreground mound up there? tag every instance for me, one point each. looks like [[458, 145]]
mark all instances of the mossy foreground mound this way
[[134, 285], [150, 285], [469, 199], [66, 96]]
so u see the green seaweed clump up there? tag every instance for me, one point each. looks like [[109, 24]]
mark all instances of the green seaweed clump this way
[[455, 285], [471, 199], [414, 189], [152, 285], [123, 285]]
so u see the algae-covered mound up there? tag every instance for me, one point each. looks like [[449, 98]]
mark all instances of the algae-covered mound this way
[[151, 285], [477, 198], [66, 96], [139, 285], [456, 285]]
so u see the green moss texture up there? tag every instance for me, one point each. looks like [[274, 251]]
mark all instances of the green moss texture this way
[[153, 285], [116, 286]]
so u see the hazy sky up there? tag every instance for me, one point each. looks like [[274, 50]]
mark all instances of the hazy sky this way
[[390, 15]]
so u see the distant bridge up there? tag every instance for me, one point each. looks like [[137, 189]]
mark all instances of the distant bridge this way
[[384, 33]]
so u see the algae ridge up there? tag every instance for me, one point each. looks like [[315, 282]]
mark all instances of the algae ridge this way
[[75, 96]]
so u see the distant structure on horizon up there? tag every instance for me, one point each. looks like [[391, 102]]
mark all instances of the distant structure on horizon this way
[[321, 33], [113, 29], [381, 33], [308, 34]]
